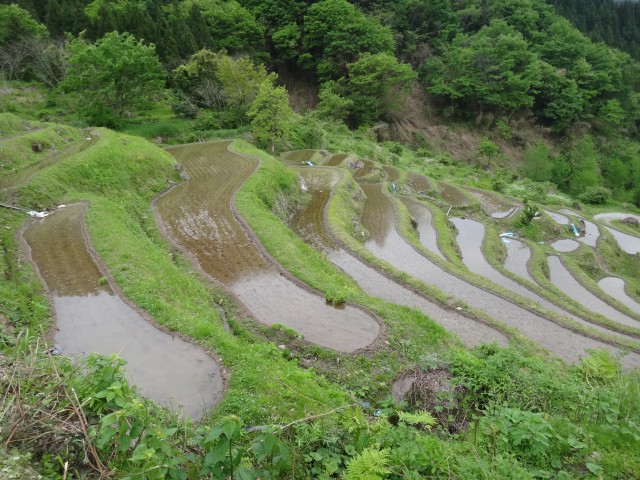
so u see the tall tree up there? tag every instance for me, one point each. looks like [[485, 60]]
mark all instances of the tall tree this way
[[113, 76], [271, 116]]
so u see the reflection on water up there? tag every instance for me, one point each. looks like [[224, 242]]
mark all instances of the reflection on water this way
[[91, 318]]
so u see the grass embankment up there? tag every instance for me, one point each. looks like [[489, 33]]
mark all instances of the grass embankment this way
[[409, 333], [119, 176]]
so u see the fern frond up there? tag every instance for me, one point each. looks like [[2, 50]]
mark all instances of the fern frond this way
[[371, 464], [421, 417]]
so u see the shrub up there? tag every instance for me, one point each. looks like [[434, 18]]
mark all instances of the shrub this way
[[595, 195]]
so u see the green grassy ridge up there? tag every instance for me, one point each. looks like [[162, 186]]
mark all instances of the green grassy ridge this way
[[16, 151], [119, 176], [489, 246], [11, 124], [406, 328]]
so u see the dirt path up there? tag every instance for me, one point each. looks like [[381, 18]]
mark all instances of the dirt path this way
[[386, 243], [199, 217], [91, 317], [310, 225]]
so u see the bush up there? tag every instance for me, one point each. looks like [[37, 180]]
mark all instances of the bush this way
[[595, 195]]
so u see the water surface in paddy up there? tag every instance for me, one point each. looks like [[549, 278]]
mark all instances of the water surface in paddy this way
[[518, 255], [424, 220], [453, 195], [419, 183], [90, 317], [336, 159], [470, 237], [198, 216], [557, 217], [628, 243], [565, 245], [393, 174], [493, 205], [562, 278], [614, 287], [386, 243], [309, 223]]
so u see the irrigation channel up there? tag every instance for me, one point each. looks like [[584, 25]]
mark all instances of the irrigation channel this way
[[198, 215], [310, 225], [379, 218], [92, 317]]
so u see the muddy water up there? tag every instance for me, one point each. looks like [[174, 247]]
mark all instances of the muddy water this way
[[309, 222], [393, 174], [310, 225], [591, 234], [198, 216], [565, 245], [562, 279], [419, 183], [91, 318], [628, 243], [614, 287], [386, 243], [492, 205], [336, 159], [367, 167], [300, 156], [424, 219], [518, 255], [452, 195], [557, 217], [470, 237]]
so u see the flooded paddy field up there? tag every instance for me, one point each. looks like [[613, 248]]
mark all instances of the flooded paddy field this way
[[419, 183], [310, 225], [424, 225], [453, 195], [92, 317], [198, 216], [614, 287], [492, 204], [562, 278], [387, 244], [518, 256]]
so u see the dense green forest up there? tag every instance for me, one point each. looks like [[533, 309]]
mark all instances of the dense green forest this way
[[615, 23], [540, 100], [503, 61]]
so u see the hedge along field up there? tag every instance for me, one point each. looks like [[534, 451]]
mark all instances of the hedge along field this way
[[118, 177]]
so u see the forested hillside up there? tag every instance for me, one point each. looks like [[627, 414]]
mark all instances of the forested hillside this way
[[617, 23]]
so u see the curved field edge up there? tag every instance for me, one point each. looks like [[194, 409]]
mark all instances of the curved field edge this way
[[118, 177], [404, 227], [548, 290], [407, 329]]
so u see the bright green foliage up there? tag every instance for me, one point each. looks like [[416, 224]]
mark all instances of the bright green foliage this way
[[492, 67], [583, 156], [17, 24], [370, 464], [114, 76], [336, 33], [538, 165], [271, 116], [332, 105], [231, 26], [377, 84], [595, 195]]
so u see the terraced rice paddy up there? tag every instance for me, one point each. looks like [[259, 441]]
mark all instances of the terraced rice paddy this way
[[614, 287], [198, 216], [386, 243], [92, 317]]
